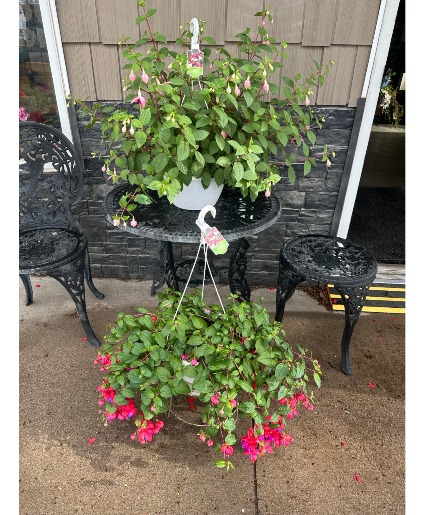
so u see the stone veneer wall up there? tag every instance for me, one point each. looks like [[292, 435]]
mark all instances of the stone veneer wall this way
[[307, 207]]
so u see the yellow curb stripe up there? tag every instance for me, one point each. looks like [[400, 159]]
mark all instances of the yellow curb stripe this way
[[372, 309], [376, 288], [385, 299]]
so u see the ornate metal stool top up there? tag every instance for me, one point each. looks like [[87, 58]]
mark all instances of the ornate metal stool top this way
[[236, 217], [331, 259]]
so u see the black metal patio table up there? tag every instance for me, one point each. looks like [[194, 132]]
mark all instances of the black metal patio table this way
[[236, 218]]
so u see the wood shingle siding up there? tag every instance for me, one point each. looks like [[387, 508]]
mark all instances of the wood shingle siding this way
[[355, 22], [78, 21], [117, 19], [319, 22], [80, 70], [341, 30]]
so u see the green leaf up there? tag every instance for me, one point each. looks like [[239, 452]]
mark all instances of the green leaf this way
[[140, 138], [282, 392], [189, 136], [200, 158], [250, 175], [230, 439], [163, 374], [220, 464], [202, 385], [249, 99], [238, 171], [182, 150], [229, 424], [282, 138], [200, 134], [210, 40], [160, 161], [317, 379], [281, 371], [142, 199], [265, 358], [223, 161], [312, 137], [307, 167], [145, 116], [150, 13], [195, 339], [220, 141]]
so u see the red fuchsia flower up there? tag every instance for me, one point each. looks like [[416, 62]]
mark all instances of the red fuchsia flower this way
[[226, 449], [233, 403], [109, 394], [132, 76], [145, 77], [133, 223], [153, 318], [84, 338], [215, 399], [357, 478], [146, 430], [185, 357], [91, 440], [139, 99], [104, 360], [342, 444], [101, 402], [23, 114], [372, 385], [247, 83], [126, 411], [224, 134], [38, 285], [237, 91]]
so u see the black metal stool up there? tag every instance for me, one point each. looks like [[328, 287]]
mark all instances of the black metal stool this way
[[327, 259]]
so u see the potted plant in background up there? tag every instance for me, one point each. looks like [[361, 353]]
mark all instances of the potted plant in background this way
[[223, 125], [229, 364]]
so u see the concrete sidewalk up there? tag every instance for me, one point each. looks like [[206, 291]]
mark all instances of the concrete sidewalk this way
[[354, 429]]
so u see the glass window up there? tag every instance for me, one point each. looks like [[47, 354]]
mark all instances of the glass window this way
[[37, 101]]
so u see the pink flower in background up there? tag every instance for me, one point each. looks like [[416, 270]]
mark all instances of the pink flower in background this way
[[91, 440], [132, 76], [139, 99], [23, 114], [357, 478]]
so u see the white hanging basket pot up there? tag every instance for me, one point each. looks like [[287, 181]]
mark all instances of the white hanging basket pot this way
[[194, 197]]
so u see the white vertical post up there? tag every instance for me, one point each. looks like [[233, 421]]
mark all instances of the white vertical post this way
[[57, 62]]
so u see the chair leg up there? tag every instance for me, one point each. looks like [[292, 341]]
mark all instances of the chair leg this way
[[287, 282], [237, 268], [353, 300], [73, 282], [28, 288], [88, 276]]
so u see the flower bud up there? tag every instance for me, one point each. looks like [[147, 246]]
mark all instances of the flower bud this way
[[228, 90], [132, 76], [224, 134], [133, 223], [307, 101], [237, 91], [247, 83], [266, 86], [132, 130], [145, 77]]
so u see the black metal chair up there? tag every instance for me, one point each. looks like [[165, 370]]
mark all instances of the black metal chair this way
[[51, 240]]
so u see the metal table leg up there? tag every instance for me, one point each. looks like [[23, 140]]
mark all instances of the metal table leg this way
[[237, 268], [165, 271], [287, 282]]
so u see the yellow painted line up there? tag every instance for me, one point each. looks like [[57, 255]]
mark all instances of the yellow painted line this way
[[372, 309], [386, 299], [376, 288]]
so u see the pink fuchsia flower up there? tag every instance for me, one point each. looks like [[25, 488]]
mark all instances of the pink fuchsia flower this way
[[132, 76], [202, 437], [266, 86], [194, 362], [210, 443], [224, 134], [185, 357], [133, 223], [247, 83], [145, 77], [233, 403], [307, 101], [226, 449], [237, 91], [139, 99], [215, 400], [23, 114], [267, 193]]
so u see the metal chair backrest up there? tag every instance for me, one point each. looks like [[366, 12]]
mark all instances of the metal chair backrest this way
[[50, 177]]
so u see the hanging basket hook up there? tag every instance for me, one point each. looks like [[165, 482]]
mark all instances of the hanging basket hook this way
[[194, 29], [200, 222]]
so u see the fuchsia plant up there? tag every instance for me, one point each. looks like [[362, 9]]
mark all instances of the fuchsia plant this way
[[229, 365], [234, 125]]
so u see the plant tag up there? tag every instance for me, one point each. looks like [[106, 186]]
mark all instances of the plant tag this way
[[214, 239], [195, 63]]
